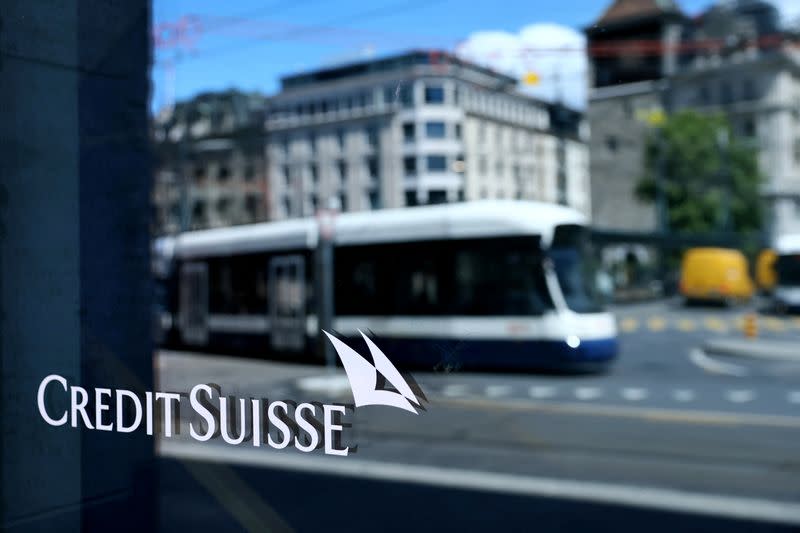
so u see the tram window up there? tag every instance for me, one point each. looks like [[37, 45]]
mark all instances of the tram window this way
[[496, 278], [358, 291], [237, 285]]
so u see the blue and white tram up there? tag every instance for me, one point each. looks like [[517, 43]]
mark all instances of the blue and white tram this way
[[498, 284]]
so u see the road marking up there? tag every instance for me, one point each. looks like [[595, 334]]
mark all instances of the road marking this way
[[588, 393], [684, 324], [657, 323], [699, 358], [628, 325], [454, 390], [495, 391], [793, 396], [715, 324], [634, 394], [456, 478], [542, 391], [683, 395], [774, 324], [740, 396], [652, 414]]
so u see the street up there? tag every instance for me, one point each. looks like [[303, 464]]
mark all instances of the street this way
[[671, 427]]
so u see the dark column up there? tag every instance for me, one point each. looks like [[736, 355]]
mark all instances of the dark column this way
[[74, 284]]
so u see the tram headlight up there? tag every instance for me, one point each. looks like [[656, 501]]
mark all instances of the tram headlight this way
[[573, 341]]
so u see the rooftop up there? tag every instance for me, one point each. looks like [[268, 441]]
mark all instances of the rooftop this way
[[394, 62]]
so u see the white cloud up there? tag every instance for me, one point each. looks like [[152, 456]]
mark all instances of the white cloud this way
[[554, 52], [790, 9]]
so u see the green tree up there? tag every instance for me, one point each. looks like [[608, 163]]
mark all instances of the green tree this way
[[707, 170]]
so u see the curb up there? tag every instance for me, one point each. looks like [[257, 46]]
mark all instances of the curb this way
[[755, 349]]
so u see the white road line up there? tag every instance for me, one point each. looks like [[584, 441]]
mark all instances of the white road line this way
[[740, 396], [588, 393], [589, 491], [793, 396], [542, 391], [699, 358], [634, 394], [683, 395], [495, 391], [452, 391]]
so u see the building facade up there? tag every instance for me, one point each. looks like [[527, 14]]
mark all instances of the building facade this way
[[210, 167], [733, 59], [414, 129]]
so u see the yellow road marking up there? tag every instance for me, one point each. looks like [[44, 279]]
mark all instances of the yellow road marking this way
[[773, 324], [657, 323], [629, 324], [715, 324], [684, 324]]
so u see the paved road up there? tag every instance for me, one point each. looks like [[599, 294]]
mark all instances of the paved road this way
[[666, 418]]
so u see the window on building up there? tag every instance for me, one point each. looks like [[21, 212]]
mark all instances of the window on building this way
[[249, 172], [410, 166], [312, 142], [749, 127], [461, 195], [436, 163], [251, 207], [314, 173], [611, 143], [483, 165], [314, 201], [372, 167], [340, 139], [499, 168], [726, 92], [287, 206], [434, 94], [287, 175], [437, 197], [406, 95], [411, 198], [199, 173], [374, 199], [223, 173], [435, 130], [372, 136], [342, 168], [342, 201], [458, 131], [748, 89], [481, 132], [224, 207], [409, 132]]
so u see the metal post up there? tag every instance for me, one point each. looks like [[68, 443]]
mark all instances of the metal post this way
[[325, 289], [725, 180]]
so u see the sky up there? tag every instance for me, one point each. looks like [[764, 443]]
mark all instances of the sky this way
[[250, 44]]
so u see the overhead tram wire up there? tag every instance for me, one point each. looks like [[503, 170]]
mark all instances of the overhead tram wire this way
[[399, 7]]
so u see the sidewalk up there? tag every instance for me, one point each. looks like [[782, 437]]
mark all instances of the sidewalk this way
[[775, 350]]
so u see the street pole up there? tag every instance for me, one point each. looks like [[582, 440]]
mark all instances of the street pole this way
[[326, 220], [725, 180]]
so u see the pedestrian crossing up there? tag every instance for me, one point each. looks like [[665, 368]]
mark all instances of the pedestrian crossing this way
[[665, 323], [631, 394]]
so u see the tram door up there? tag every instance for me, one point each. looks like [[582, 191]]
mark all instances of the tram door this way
[[194, 303], [287, 303]]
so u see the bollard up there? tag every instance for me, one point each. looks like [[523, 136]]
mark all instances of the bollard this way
[[750, 326]]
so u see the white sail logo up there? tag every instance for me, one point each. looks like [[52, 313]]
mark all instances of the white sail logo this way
[[363, 377]]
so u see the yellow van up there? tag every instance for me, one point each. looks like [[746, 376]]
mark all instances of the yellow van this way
[[715, 274], [766, 277]]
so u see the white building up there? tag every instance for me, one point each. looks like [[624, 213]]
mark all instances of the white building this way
[[418, 128]]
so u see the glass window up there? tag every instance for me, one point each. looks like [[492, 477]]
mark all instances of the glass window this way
[[573, 260], [409, 132], [410, 165], [434, 94], [436, 163], [435, 130], [437, 197]]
